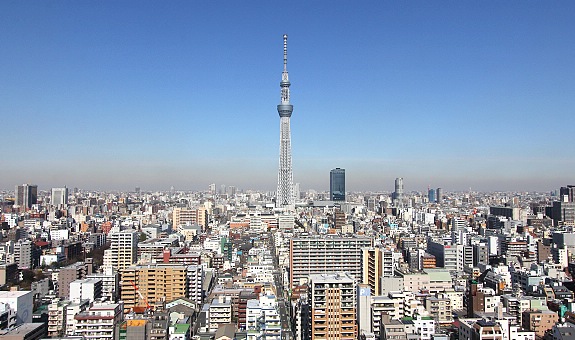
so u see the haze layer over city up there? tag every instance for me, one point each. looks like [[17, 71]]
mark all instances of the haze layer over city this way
[[114, 95]]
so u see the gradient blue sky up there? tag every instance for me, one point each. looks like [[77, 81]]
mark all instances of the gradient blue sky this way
[[452, 94]]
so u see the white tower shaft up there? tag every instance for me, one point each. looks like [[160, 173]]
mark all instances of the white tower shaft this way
[[285, 196]]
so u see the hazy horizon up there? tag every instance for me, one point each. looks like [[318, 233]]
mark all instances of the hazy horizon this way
[[458, 95]]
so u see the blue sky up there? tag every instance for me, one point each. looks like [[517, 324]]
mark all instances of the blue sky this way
[[452, 94]]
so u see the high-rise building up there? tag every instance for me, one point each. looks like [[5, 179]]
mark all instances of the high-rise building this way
[[333, 301], [181, 216], [398, 191], [285, 196], [439, 195], [26, 195], [431, 195], [337, 184], [123, 250], [377, 262], [59, 196], [318, 255], [160, 282]]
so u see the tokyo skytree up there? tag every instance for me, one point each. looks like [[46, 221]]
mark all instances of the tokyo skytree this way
[[285, 196]]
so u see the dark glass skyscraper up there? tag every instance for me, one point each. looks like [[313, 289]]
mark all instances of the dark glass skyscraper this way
[[26, 195], [337, 184], [431, 195]]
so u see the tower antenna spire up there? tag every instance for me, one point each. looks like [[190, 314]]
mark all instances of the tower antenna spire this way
[[285, 52]]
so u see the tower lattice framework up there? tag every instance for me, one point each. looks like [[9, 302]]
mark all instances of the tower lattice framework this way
[[285, 194]]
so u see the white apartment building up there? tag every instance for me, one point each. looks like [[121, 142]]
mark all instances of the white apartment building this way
[[262, 318], [219, 313], [71, 310], [85, 289], [326, 254], [123, 250], [99, 321], [195, 275]]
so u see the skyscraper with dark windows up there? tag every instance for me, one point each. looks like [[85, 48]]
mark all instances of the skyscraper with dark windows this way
[[431, 195], [26, 195], [398, 191], [337, 184], [568, 191]]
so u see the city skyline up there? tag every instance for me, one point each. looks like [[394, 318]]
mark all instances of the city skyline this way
[[452, 95]]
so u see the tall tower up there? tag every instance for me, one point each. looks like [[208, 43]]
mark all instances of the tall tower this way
[[398, 193], [26, 195], [337, 184], [285, 197]]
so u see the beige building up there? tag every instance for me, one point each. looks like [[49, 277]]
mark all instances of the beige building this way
[[372, 268], [57, 318], [539, 321], [156, 283], [439, 307], [413, 281], [189, 216], [123, 250]]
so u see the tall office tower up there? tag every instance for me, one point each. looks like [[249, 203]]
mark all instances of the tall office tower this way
[[431, 195], [284, 196], [319, 255], [398, 192], [337, 184], [333, 301], [26, 195], [439, 195], [59, 196]]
